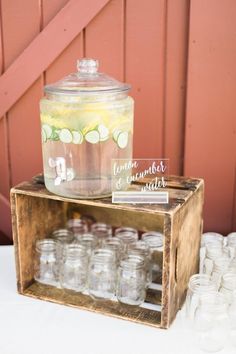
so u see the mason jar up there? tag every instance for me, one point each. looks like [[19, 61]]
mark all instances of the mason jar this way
[[102, 231], [232, 318], [114, 244], [89, 241], [62, 238], [78, 227], [212, 238], [211, 322], [102, 274], [199, 284], [127, 235], [86, 121], [155, 242], [131, 284], [228, 286], [213, 252], [142, 249], [220, 267], [46, 265], [74, 268]]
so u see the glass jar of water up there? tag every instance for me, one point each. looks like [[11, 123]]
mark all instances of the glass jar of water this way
[[86, 121]]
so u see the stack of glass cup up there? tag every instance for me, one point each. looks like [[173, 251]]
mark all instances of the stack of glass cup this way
[[211, 297], [90, 260]]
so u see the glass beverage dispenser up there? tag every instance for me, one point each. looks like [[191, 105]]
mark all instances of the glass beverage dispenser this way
[[86, 120]]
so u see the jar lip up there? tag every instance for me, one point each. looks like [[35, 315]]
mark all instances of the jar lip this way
[[46, 245], [153, 239], [229, 279], [133, 262], [74, 251], [113, 241], [200, 283], [101, 254]]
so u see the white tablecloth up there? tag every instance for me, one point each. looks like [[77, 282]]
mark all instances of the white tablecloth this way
[[29, 326]]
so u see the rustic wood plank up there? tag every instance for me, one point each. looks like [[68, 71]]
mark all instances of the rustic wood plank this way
[[60, 31], [211, 106], [175, 82], [110, 308], [144, 69]]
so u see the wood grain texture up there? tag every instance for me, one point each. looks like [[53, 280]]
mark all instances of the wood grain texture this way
[[176, 53], [36, 212], [210, 148], [109, 308], [61, 31], [144, 69]]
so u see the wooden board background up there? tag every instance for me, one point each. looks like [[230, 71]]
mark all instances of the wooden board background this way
[[179, 57]]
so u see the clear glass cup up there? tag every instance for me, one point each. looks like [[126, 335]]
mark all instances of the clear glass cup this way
[[89, 241], [211, 322], [102, 231], [46, 266], [62, 237], [232, 318], [155, 241], [198, 285], [127, 235], [228, 285], [114, 244], [102, 274], [131, 284], [77, 226], [86, 121], [231, 243], [213, 252], [212, 238], [74, 268], [142, 249], [220, 267]]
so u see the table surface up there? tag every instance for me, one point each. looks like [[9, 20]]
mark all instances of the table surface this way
[[32, 326]]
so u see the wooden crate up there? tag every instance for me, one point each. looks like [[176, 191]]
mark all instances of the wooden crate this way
[[37, 212]]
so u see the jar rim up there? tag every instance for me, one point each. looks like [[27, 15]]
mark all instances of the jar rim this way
[[46, 245]]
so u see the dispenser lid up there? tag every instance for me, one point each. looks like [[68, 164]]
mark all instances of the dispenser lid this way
[[88, 80]]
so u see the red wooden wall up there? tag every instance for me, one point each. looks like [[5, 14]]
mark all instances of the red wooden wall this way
[[178, 55]]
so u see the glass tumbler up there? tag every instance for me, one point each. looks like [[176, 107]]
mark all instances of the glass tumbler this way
[[101, 231], [131, 284], [102, 274], [46, 266], [74, 268], [199, 284], [213, 252], [211, 322], [220, 267], [155, 242]]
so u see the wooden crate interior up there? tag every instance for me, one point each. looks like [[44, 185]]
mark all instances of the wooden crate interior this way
[[46, 215]]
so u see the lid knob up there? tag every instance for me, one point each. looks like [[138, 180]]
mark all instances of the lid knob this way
[[87, 66]]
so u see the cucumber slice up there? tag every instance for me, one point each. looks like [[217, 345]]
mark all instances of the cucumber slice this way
[[92, 137], [48, 130], [77, 137], [65, 136], [103, 132], [116, 133], [44, 135], [122, 140]]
